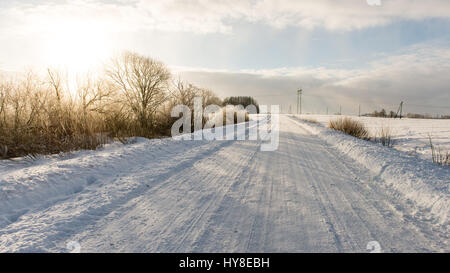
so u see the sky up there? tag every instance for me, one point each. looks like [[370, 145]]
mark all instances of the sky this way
[[343, 54]]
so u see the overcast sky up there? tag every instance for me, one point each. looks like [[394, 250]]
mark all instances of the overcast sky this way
[[343, 52]]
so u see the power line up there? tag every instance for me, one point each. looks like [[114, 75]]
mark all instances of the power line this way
[[359, 100]]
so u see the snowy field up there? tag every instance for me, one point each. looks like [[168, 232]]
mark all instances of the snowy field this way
[[320, 191], [410, 135]]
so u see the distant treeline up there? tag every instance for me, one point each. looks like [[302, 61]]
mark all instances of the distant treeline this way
[[384, 114], [241, 100]]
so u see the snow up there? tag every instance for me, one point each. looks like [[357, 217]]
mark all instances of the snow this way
[[410, 135], [419, 181], [313, 194]]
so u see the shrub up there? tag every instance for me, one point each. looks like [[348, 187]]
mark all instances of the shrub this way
[[350, 127], [40, 115], [384, 137], [438, 156]]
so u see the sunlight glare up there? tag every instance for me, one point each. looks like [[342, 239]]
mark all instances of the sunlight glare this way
[[77, 46]]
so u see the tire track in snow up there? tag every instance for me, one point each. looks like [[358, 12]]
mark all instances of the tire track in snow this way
[[47, 235], [217, 201], [370, 215], [227, 197]]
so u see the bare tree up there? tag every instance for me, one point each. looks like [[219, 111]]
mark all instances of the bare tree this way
[[4, 91], [143, 82], [92, 93], [209, 97], [36, 97], [184, 93], [55, 80]]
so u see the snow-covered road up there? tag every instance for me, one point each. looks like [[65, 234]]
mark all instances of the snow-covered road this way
[[218, 196]]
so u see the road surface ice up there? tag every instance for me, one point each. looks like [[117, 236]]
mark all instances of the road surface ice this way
[[209, 196]]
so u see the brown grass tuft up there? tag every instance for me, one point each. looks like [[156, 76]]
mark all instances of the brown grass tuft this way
[[350, 127], [438, 156], [384, 137]]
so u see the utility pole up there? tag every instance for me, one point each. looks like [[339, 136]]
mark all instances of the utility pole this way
[[299, 101], [399, 110], [359, 111]]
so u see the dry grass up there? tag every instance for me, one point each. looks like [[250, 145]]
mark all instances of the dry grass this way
[[350, 127], [438, 156], [39, 115], [384, 137]]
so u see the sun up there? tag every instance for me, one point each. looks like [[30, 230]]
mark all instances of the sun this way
[[77, 46]]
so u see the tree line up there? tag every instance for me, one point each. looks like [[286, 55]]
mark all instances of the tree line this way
[[384, 114], [133, 96]]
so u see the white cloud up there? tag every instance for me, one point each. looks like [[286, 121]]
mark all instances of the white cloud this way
[[418, 76], [202, 16]]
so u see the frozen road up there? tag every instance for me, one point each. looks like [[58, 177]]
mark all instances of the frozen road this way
[[220, 196]]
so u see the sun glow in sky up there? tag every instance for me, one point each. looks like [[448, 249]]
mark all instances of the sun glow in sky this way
[[76, 46], [340, 52]]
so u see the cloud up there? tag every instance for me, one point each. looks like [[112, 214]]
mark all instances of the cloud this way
[[418, 76], [201, 16]]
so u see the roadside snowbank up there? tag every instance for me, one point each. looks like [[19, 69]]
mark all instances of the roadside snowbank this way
[[409, 135], [423, 183], [26, 185]]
